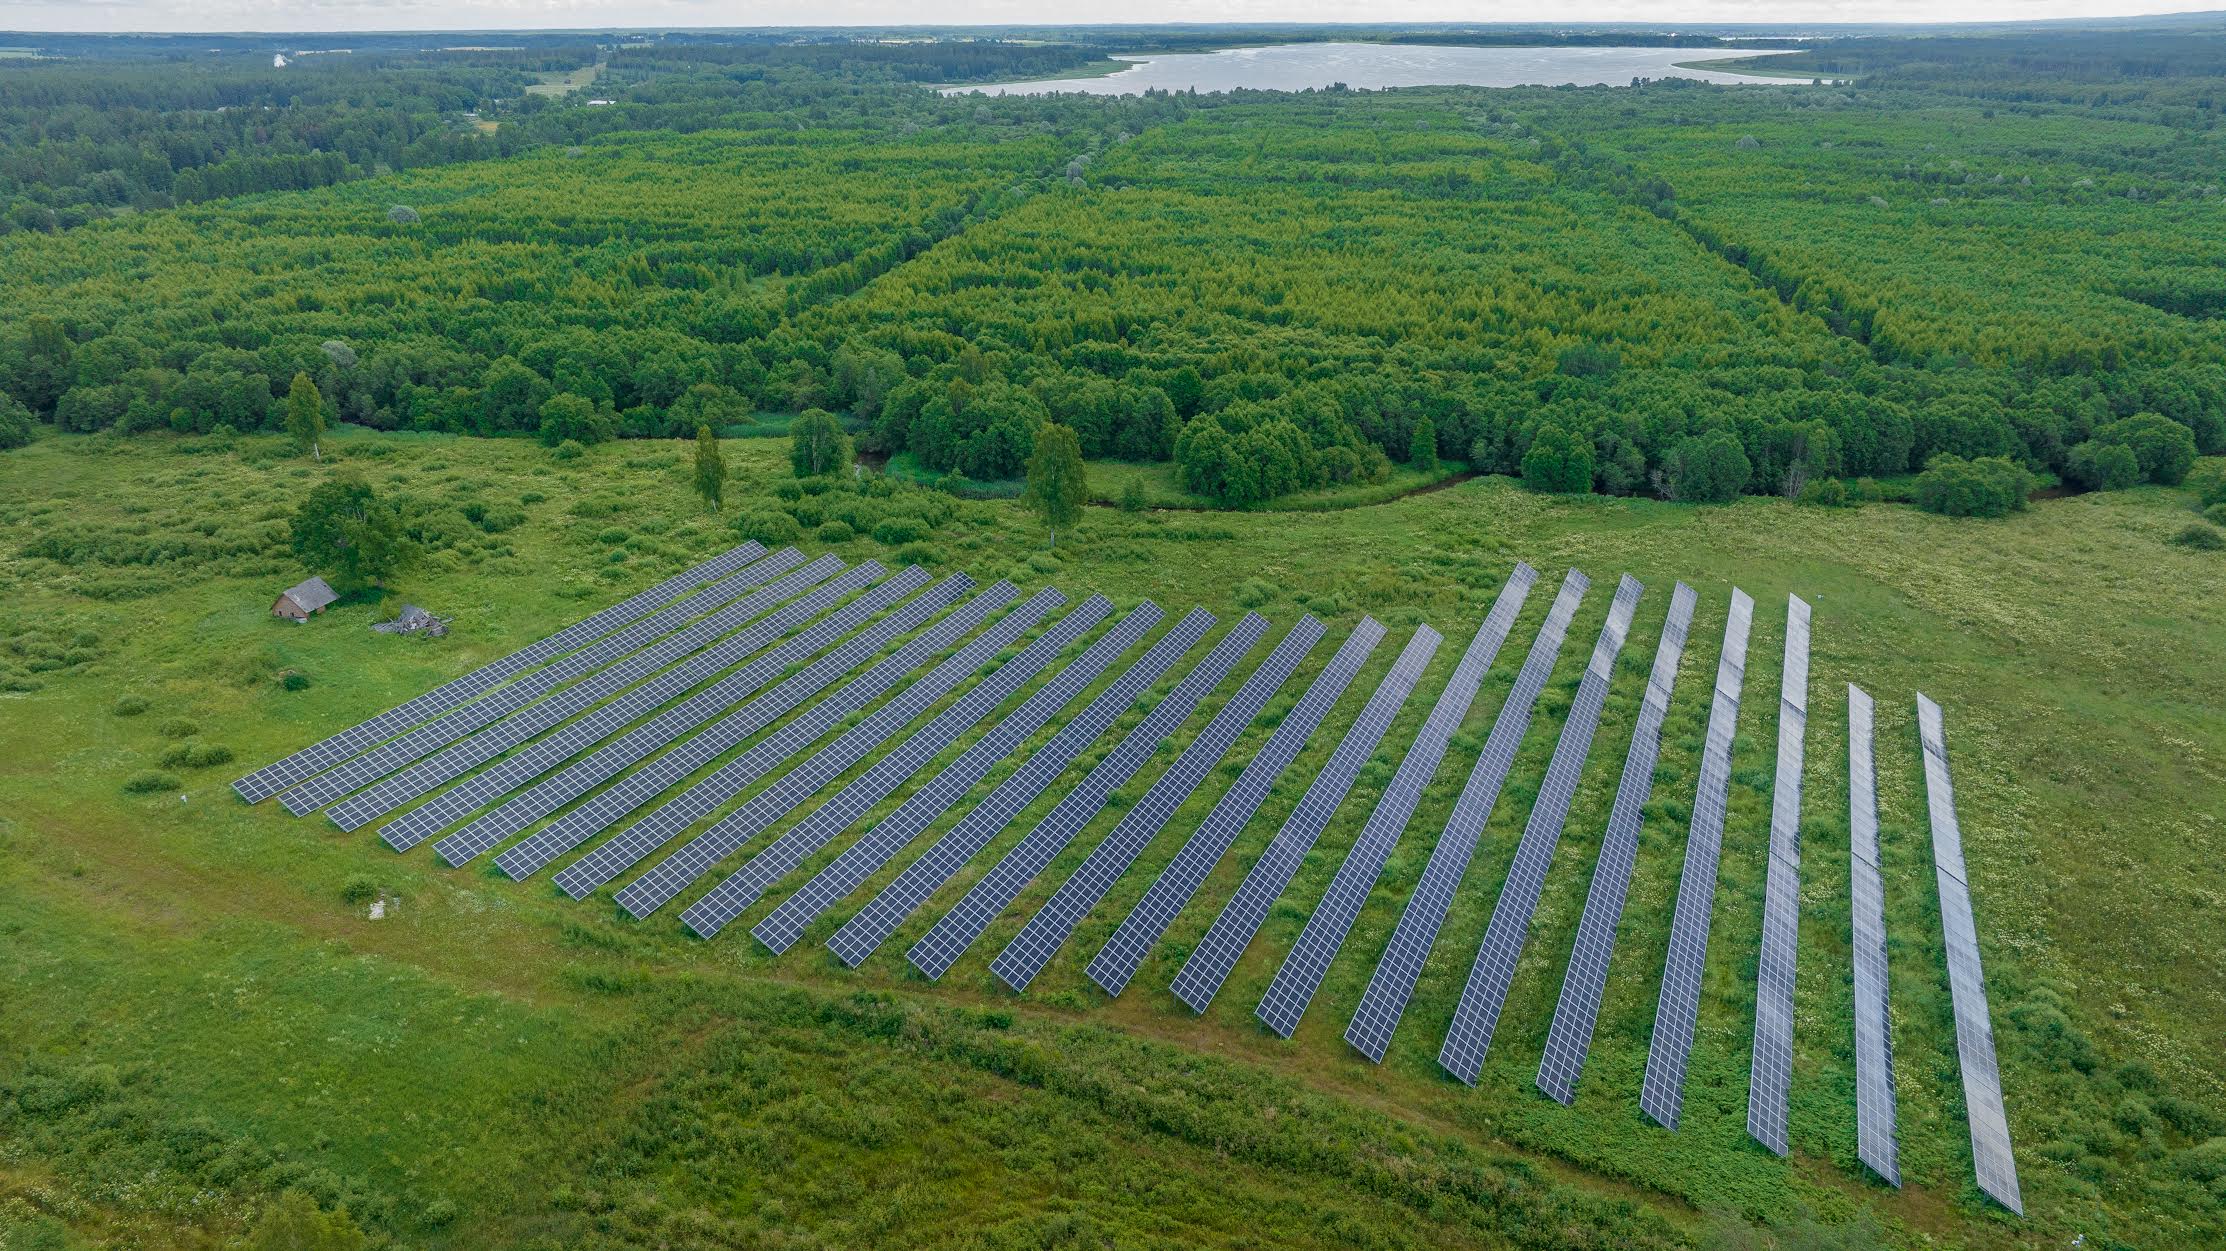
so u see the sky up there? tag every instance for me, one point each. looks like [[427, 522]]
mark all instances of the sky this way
[[346, 15]]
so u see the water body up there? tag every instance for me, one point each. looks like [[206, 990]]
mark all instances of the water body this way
[[1298, 66]]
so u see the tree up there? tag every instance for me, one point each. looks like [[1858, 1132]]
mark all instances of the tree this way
[[15, 422], [295, 1223], [305, 415], [1989, 486], [1559, 462], [578, 419], [1710, 468], [711, 468], [1422, 450], [2164, 447], [817, 444], [2100, 466], [347, 531], [1057, 483]]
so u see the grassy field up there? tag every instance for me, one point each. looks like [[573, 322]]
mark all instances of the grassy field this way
[[200, 1013]]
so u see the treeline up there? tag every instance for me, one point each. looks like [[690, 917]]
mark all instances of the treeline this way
[[909, 61]]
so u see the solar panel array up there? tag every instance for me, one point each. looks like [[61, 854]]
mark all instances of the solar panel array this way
[[652, 890], [949, 938], [1874, 1040], [1771, 1085], [1173, 889], [1570, 1036], [650, 633], [1663, 1093], [455, 760], [1270, 875], [665, 822], [738, 890], [726, 729], [1392, 984], [280, 774], [1303, 969], [1476, 1016], [1041, 938], [785, 924], [1991, 1160]]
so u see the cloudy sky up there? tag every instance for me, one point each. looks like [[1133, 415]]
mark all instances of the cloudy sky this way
[[306, 15]]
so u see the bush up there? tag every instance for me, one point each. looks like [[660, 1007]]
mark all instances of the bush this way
[[191, 755], [2201, 538], [149, 782], [15, 422], [295, 682], [1559, 462], [2215, 514], [898, 531], [1708, 468], [177, 727], [768, 527], [835, 532], [809, 511], [129, 705], [1253, 592], [360, 889], [1990, 486], [1132, 496], [2164, 447], [918, 554], [1825, 493], [2100, 466], [570, 449], [2209, 481]]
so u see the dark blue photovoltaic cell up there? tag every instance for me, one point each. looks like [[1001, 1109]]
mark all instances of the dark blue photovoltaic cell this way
[[1770, 1087], [1875, 1141], [1991, 1159], [1117, 961], [280, 774], [1570, 1037]]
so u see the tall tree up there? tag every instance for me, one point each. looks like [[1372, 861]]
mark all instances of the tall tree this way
[[711, 468], [305, 415], [344, 530], [1422, 450], [817, 444], [1057, 483]]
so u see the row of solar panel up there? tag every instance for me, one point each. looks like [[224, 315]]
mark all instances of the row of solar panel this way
[[683, 670]]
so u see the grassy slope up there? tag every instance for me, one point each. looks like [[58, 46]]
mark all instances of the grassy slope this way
[[558, 1074]]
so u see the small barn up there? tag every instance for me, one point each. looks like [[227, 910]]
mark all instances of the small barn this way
[[299, 602]]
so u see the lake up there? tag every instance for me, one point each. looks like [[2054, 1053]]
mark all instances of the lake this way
[[1298, 66]]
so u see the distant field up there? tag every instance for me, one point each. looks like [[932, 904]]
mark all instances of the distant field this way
[[490, 1064], [562, 82]]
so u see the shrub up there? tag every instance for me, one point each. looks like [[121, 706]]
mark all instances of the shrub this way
[[767, 527], [1132, 496], [2100, 466], [149, 782], [1990, 486], [809, 511], [1825, 493], [835, 532], [295, 682], [918, 554], [439, 1214], [2201, 538], [1253, 592], [898, 531], [129, 705], [1559, 462], [2215, 514], [15, 422], [360, 889], [2165, 448], [177, 727], [1708, 468], [192, 755], [570, 449], [2209, 481], [531, 498]]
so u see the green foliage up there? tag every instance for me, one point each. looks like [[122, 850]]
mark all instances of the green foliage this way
[[1133, 499], [576, 419], [295, 681], [149, 782], [16, 423], [818, 445], [1991, 486], [570, 449], [359, 889], [2209, 483], [1559, 462], [346, 532], [1826, 493], [296, 1223], [1422, 446], [711, 469], [1058, 486], [767, 527], [194, 755], [129, 705], [1707, 469], [2201, 538], [305, 415], [2101, 466], [177, 727], [2164, 449]]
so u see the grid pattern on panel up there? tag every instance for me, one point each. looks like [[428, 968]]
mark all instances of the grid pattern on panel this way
[[1476, 1015], [741, 888], [1663, 1093], [1118, 960], [941, 862], [664, 822], [1045, 932], [1393, 982], [1874, 1043], [496, 705], [785, 924], [1771, 1084], [1994, 1165], [653, 889], [280, 774], [1570, 1036], [1303, 969], [547, 795], [1231, 932], [949, 938], [457, 759]]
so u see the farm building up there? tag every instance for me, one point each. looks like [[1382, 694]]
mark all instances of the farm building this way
[[298, 602]]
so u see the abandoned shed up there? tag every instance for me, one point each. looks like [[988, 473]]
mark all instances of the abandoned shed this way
[[298, 602]]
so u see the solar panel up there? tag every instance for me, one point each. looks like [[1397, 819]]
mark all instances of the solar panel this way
[[1232, 930], [1172, 891], [1663, 1094], [280, 774], [457, 759], [457, 722], [941, 862], [1771, 1085], [1570, 1036], [1302, 971], [785, 924], [665, 822], [1392, 984], [1476, 1016], [1048, 930], [949, 938], [653, 889], [738, 890], [549, 794], [1992, 1162], [1874, 1040]]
